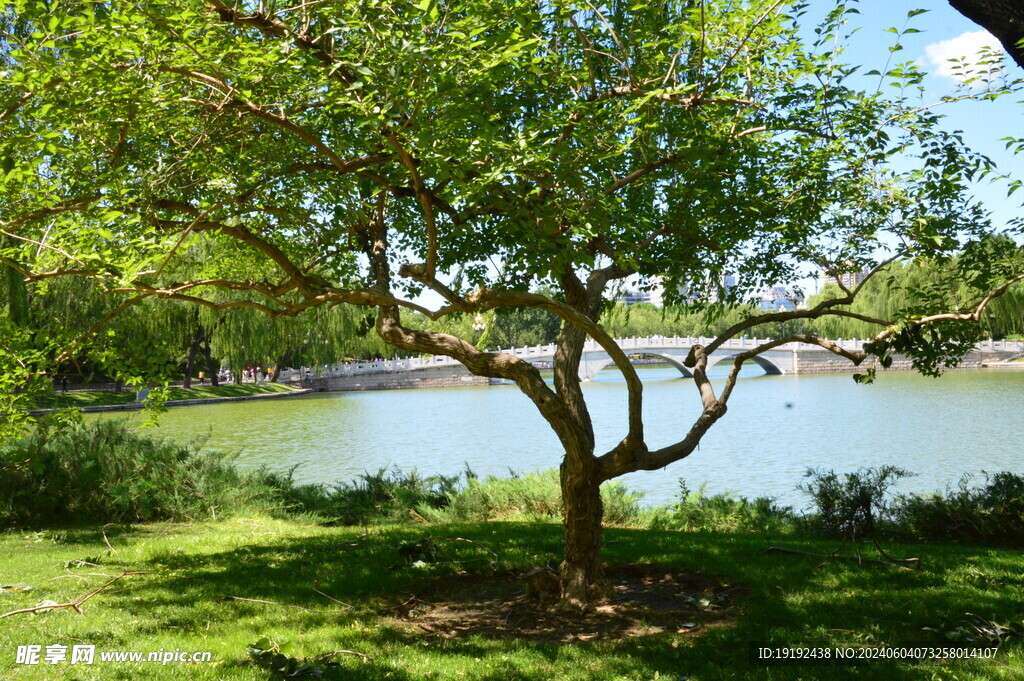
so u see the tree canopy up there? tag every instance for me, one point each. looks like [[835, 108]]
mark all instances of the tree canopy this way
[[365, 152]]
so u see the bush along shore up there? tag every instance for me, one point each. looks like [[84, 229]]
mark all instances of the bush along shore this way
[[108, 471], [162, 547]]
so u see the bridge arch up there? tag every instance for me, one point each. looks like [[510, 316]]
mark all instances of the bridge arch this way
[[591, 368], [770, 368]]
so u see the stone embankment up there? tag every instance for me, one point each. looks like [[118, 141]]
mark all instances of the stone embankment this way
[[832, 364], [436, 377]]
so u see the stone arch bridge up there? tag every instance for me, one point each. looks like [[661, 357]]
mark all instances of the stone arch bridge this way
[[791, 358]]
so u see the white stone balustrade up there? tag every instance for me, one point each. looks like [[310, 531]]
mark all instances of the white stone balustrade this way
[[672, 349]]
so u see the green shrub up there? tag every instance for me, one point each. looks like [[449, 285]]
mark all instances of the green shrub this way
[[719, 513], [854, 503], [107, 472], [381, 497], [533, 496], [992, 512]]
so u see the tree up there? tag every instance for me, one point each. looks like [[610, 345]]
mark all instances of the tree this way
[[1002, 18], [480, 149]]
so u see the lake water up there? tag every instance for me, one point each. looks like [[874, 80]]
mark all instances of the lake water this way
[[776, 427]]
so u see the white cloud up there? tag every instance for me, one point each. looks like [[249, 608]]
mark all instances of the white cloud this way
[[966, 56]]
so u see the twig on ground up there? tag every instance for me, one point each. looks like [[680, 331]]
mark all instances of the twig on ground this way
[[258, 600], [859, 559], [80, 563], [331, 598], [403, 609], [77, 603], [353, 542], [327, 656], [468, 541], [914, 561], [343, 545], [107, 541]]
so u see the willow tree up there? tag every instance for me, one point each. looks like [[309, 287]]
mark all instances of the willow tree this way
[[369, 151]]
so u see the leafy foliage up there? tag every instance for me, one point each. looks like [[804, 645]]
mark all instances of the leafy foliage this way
[[698, 511], [853, 503], [991, 512], [106, 472], [535, 496], [381, 497]]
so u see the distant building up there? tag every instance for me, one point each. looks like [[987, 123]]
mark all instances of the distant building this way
[[850, 280], [781, 299], [713, 294], [633, 297], [728, 281], [657, 293]]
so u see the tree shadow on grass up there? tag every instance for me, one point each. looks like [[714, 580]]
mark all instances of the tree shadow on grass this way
[[330, 581]]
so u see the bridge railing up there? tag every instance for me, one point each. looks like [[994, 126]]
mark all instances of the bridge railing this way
[[629, 345]]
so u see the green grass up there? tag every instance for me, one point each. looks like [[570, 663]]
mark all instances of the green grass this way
[[85, 398], [195, 566], [230, 390], [95, 398]]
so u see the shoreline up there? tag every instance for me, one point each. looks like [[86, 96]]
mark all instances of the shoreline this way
[[1003, 365], [137, 406]]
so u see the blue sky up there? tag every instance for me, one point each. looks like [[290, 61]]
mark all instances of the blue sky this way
[[945, 33]]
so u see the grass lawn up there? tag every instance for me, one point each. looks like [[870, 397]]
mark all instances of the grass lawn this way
[[95, 398], [183, 603]]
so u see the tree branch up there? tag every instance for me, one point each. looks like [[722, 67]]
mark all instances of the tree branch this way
[[623, 459], [270, 25], [426, 203], [77, 603], [300, 278], [67, 206]]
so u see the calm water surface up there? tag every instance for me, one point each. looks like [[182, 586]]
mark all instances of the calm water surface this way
[[777, 427]]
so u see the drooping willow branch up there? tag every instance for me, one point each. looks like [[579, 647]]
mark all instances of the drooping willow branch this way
[[70, 351]]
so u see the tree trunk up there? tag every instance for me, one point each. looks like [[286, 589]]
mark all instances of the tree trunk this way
[[276, 373], [581, 572], [582, 578], [190, 363], [193, 349], [211, 368]]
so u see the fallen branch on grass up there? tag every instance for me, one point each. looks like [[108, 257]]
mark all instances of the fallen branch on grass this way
[[908, 564], [327, 656], [915, 561], [257, 600], [331, 598], [107, 541], [77, 603]]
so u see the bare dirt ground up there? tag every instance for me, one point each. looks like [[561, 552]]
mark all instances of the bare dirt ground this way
[[644, 600]]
